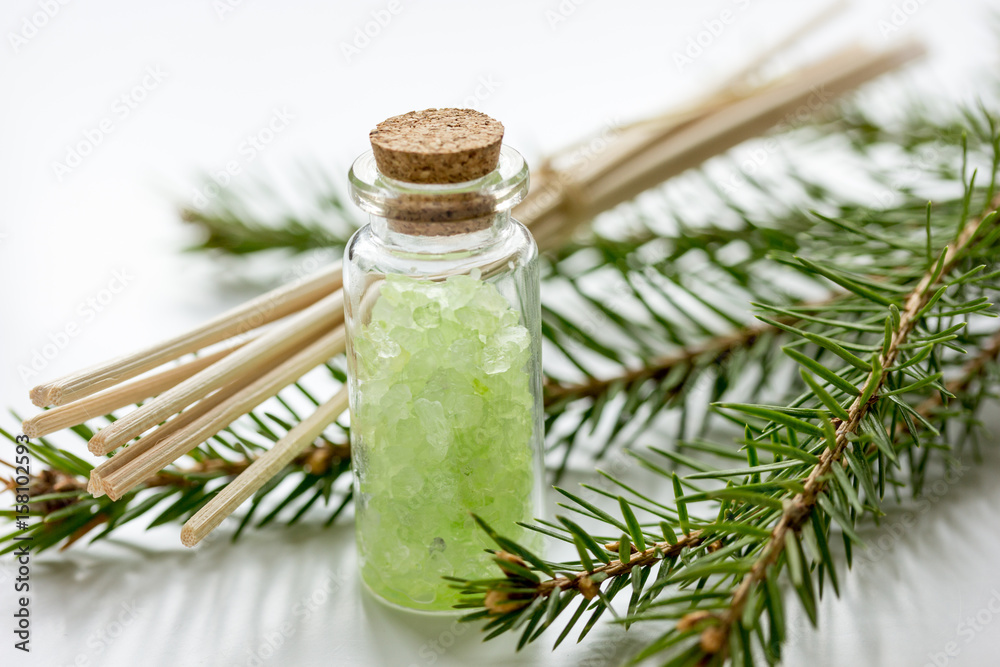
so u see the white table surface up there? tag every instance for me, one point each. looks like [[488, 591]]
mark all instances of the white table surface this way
[[290, 597]]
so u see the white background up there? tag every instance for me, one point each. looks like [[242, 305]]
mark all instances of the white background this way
[[553, 80]]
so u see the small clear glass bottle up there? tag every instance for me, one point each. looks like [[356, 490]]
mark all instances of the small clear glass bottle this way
[[444, 356]]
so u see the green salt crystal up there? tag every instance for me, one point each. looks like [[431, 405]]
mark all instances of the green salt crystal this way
[[443, 428]]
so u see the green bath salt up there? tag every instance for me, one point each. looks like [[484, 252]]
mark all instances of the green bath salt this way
[[442, 429]]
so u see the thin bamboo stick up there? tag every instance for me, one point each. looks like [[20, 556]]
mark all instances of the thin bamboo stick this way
[[181, 442], [736, 85], [635, 163], [204, 396], [117, 397], [150, 440], [265, 467], [740, 121], [266, 308], [253, 358], [794, 36], [669, 147], [638, 160]]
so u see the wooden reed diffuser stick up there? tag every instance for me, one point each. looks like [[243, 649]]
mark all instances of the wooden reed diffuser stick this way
[[184, 440], [197, 399], [252, 359], [266, 308], [150, 440], [646, 156], [114, 398], [263, 468]]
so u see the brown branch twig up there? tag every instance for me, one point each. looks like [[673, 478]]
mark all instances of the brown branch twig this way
[[499, 601], [971, 370], [318, 458], [714, 639], [718, 348]]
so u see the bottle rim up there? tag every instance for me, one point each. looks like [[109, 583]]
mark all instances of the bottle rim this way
[[382, 196]]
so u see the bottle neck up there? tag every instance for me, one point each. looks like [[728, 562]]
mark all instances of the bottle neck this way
[[440, 219], [441, 238]]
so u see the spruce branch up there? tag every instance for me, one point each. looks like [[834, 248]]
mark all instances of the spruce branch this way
[[242, 222], [586, 581], [526, 592], [316, 459], [224, 231], [680, 327], [972, 370], [798, 510], [67, 512], [713, 351], [868, 361]]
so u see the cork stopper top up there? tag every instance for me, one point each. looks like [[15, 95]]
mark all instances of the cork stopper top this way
[[437, 146]]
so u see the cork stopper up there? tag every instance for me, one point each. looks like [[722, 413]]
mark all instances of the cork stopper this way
[[439, 172], [437, 146]]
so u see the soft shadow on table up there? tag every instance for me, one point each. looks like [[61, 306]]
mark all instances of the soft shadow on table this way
[[276, 597], [291, 596], [887, 598]]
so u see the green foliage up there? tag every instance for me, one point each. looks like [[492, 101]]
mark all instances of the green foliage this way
[[883, 386], [62, 511], [239, 222], [782, 362]]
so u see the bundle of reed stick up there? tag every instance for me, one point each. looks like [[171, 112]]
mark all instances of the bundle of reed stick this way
[[250, 353]]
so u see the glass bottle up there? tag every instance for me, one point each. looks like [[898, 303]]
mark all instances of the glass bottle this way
[[444, 355]]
